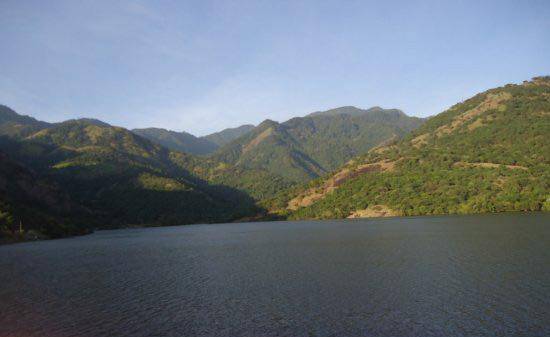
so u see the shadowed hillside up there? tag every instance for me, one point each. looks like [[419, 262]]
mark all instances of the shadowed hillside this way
[[122, 178]]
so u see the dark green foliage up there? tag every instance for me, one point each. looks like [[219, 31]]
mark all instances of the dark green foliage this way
[[333, 137], [488, 154], [15, 125], [265, 159], [277, 155], [33, 203], [228, 135], [116, 178], [178, 141], [496, 159]]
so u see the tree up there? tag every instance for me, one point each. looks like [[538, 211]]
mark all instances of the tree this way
[[6, 221]]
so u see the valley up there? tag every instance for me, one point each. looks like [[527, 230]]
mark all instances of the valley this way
[[489, 153]]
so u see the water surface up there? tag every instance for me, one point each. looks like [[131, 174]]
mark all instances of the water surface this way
[[485, 275]]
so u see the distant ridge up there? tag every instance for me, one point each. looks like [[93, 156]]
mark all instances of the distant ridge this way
[[304, 148], [228, 135], [178, 141], [354, 111], [188, 143], [14, 125], [89, 121]]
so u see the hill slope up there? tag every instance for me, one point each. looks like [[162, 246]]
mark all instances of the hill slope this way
[[35, 204], [122, 178], [228, 135], [304, 148], [270, 147], [488, 154], [333, 137], [15, 125], [178, 141]]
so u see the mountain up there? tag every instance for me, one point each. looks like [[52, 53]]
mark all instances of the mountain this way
[[186, 142], [228, 135], [352, 111], [89, 121], [305, 148], [331, 138], [15, 125], [37, 205], [270, 147], [489, 153], [120, 177], [178, 141]]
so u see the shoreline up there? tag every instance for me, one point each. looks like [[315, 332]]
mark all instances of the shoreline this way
[[6, 240]]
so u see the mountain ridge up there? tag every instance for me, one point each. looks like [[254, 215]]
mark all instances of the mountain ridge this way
[[178, 141], [228, 135], [122, 178], [486, 154]]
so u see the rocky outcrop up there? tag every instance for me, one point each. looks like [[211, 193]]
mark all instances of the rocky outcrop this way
[[373, 211]]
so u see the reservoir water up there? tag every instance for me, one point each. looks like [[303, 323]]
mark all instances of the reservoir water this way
[[486, 275]]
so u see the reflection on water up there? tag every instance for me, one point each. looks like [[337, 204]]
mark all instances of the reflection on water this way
[[428, 276]]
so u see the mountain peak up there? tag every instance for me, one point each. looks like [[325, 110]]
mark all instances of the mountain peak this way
[[267, 124], [228, 135], [15, 125], [355, 111], [90, 121], [6, 111], [343, 110]]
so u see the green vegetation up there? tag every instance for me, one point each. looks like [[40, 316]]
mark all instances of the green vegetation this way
[[333, 137], [228, 135], [107, 177], [178, 141], [17, 126], [29, 202], [6, 220], [186, 142], [274, 156], [488, 154]]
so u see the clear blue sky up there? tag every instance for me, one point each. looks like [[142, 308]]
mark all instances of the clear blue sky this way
[[200, 66]]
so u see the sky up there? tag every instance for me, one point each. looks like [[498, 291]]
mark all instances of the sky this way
[[201, 66]]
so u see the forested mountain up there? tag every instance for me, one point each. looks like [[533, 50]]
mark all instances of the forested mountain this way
[[352, 111], [186, 142], [178, 141], [489, 153], [303, 148], [228, 135], [274, 156], [15, 125], [331, 139], [34, 203], [270, 147], [120, 178]]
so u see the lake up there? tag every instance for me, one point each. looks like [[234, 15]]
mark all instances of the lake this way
[[486, 275]]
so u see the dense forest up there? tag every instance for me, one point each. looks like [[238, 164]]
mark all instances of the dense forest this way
[[67, 178], [489, 153], [188, 143], [112, 177], [275, 156]]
